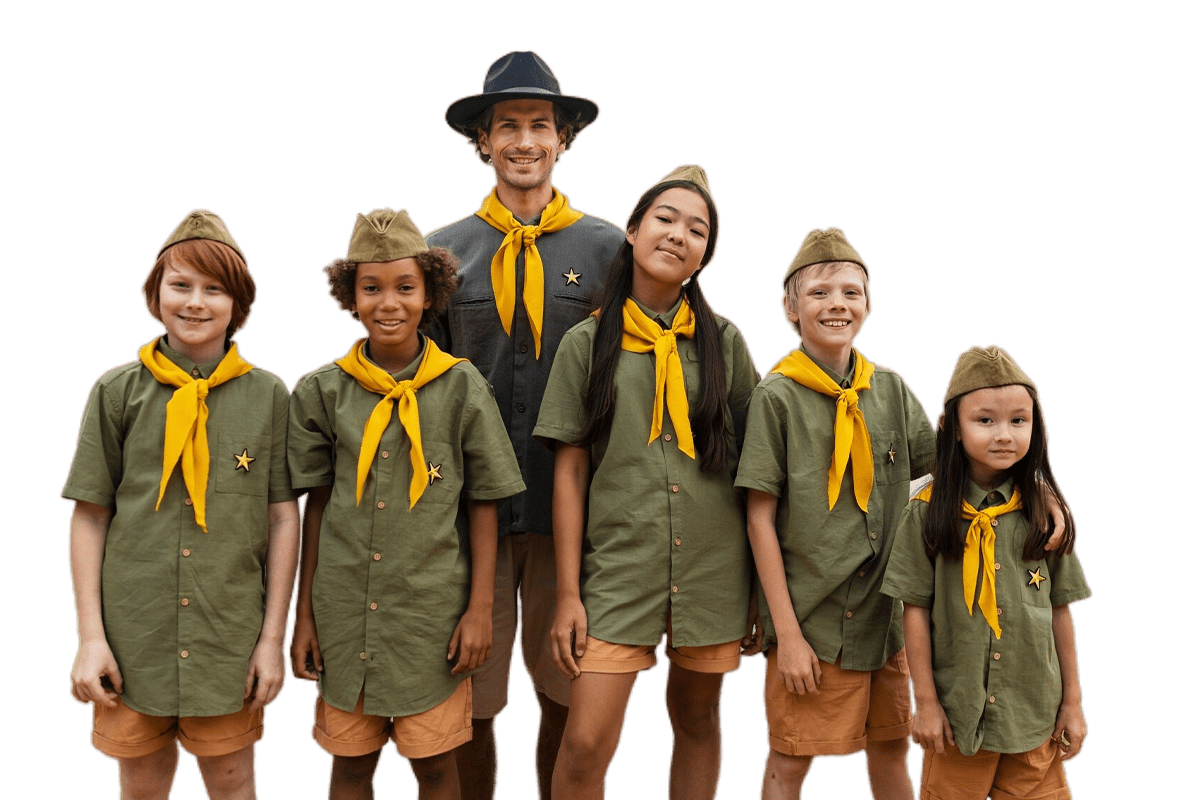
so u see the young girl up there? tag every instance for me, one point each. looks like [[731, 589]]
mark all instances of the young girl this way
[[646, 404], [394, 605], [991, 647], [184, 536]]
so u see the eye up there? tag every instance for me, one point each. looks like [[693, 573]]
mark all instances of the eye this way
[[369, 288], [1019, 421], [984, 420]]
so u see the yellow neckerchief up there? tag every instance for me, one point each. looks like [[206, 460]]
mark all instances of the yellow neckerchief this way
[[186, 438], [355, 363], [556, 216], [643, 335], [981, 536], [851, 440]]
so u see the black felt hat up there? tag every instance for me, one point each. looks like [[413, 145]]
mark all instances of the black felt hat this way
[[518, 76]]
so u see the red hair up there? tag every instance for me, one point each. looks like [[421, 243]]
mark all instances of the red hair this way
[[214, 259]]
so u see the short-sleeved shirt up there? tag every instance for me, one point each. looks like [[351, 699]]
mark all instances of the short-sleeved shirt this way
[[183, 608], [391, 583], [1000, 694], [663, 538], [835, 559], [575, 263]]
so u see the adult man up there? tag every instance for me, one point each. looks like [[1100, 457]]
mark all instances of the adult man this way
[[526, 241]]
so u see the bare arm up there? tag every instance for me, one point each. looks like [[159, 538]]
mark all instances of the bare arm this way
[[94, 660], [931, 728], [306, 652], [798, 665], [568, 634], [472, 637], [264, 676], [1070, 727]]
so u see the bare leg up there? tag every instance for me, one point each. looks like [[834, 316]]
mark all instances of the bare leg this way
[[149, 777], [353, 777], [476, 762], [229, 777], [437, 777], [692, 702], [784, 775], [550, 734], [887, 769], [597, 711]]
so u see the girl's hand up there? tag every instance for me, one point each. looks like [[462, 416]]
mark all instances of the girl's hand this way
[[306, 652], [568, 635], [752, 642], [264, 675], [1069, 730], [798, 665], [94, 661], [930, 727], [471, 640]]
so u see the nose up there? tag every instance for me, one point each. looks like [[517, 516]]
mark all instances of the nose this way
[[389, 300], [1003, 433], [195, 297], [525, 137]]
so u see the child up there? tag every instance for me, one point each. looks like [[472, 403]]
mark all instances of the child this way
[[393, 608], [184, 536], [831, 444], [646, 402], [997, 692]]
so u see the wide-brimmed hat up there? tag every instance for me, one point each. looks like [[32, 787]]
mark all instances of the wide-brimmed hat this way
[[518, 76]]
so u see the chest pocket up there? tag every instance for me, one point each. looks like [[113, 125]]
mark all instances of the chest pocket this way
[[1036, 589], [445, 482], [891, 457], [242, 463]]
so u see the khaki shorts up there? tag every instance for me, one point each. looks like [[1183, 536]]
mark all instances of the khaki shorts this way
[[1033, 775], [850, 709], [621, 659], [524, 566], [122, 732], [429, 733]]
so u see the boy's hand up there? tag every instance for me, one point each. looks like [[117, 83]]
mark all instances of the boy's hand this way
[[472, 640], [306, 652], [264, 675], [93, 662], [931, 728], [799, 668], [568, 635], [752, 642], [1069, 729]]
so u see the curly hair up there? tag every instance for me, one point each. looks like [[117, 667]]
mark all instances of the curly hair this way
[[438, 265], [564, 123]]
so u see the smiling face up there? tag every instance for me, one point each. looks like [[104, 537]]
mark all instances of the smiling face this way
[[389, 298], [523, 143], [668, 246], [995, 426], [829, 305], [196, 309]]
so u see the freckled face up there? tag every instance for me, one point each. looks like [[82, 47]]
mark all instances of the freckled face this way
[[196, 310], [389, 298], [995, 426]]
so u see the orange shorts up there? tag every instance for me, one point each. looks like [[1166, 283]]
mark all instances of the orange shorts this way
[[1034, 775], [122, 732], [850, 708], [429, 733], [618, 659]]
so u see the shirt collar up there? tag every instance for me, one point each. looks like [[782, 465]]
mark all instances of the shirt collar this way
[[200, 371], [843, 381], [981, 498], [409, 372], [664, 320]]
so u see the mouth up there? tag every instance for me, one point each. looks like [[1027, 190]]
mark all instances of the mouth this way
[[835, 323], [389, 324], [194, 320], [676, 255], [523, 161]]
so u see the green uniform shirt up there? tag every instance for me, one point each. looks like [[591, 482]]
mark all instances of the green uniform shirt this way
[[835, 559], [391, 584], [999, 694], [663, 538], [182, 608]]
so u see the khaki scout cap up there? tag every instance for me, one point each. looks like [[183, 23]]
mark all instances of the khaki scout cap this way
[[820, 247], [985, 368], [385, 235], [692, 174], [202, 225]]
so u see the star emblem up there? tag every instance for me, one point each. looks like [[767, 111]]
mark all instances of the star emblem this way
[[1035, 578], [435, 472], [572, 277], [891, 454], [243, 461]]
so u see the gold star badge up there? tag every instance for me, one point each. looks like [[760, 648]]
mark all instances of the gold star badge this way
[[435, 472], [1035, 578], [891, 454], [572, 277], [243, 461]]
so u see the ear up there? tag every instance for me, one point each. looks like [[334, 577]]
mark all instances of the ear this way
[[941, 426], [562, 142], [428, 302], [485, 146], [792, 315], [631, 236]]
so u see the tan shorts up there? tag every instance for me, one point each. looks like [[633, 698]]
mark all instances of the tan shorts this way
[[621, 659], [851, 708], [1034, 775], [122, 732], [524, 566], [429, 733]]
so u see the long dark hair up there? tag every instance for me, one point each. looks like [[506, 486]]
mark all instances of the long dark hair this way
[[1031, 475], [707, 415]]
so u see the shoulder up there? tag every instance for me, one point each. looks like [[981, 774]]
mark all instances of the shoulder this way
[[581, 333], [467, 227], [320, 379], [121, 376], [600, 228], [264, 380]]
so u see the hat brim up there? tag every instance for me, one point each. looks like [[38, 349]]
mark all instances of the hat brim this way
[[462, 113]]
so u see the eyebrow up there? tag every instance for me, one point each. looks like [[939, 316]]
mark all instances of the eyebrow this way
[[701, 220]]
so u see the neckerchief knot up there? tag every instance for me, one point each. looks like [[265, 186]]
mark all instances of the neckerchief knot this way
[[640, 334]]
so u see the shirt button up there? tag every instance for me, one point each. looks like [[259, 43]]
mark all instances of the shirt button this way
[[992, 699], [183, 654], [999, 612], [997, 565], [362, 656], [678, 541], [862, 573], [995, 522], [674, 589], [995, 656], [381, 504], [521, 408], [377, 556], [187, 501], [384, 454], [849, 614], [667, 437], [675, 488], [186, 552], [523, 348], [374, 606], [874, 535], [183, 602], [195, 372]]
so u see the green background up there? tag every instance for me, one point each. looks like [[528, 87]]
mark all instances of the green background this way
[[1013, 173]]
